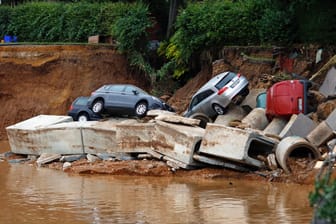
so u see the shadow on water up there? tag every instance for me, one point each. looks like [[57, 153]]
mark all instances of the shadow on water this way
[[40, 195]]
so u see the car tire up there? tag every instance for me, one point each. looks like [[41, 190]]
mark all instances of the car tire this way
[[141, 109], [98, 106], [218, 109], [204, 120], [83, 117]]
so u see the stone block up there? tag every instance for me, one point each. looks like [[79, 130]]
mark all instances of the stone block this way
[[321, 134], [331, 120], [298, 125], [243, 146], [177, 141]]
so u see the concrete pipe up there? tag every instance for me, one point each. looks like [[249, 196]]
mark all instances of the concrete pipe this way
[[234, 113], [294, 146], [274, 128], [256, 119]]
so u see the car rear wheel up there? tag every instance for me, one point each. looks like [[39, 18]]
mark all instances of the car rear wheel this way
[[141, 109], [204, 120], [218, 109], [83, 117], [98, 106]]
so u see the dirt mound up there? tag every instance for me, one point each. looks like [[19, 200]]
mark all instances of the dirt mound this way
[[262, 67], [38, 80]]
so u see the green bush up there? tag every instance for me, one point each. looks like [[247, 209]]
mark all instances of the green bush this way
[[323, 198], [5, 15], [130, 29], [60, 22], [210, 25]]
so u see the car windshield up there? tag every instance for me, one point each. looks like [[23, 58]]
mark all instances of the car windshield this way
[[225, 80]]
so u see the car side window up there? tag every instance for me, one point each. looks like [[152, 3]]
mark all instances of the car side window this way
[[116, 88], [129, 89], [225, 80], [81, 101], [200, 97]]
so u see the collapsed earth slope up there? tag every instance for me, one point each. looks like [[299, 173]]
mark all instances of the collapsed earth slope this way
[[38, 80]]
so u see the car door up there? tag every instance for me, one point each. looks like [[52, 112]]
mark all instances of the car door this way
[[199, 102], [128, 98], [114, 101]]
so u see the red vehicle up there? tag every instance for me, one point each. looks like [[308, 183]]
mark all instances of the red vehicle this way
[[287, 97]]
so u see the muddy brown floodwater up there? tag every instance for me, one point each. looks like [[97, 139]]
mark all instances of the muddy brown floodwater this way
[[29, 194]]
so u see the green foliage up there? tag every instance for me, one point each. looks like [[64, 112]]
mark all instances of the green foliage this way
[[130, 29], [59, 22], [324, 196], [5, 15], [209, 25]]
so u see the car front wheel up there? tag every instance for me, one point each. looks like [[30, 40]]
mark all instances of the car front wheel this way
[[141, 109], [83, 117], [98, 106], [218, 109]]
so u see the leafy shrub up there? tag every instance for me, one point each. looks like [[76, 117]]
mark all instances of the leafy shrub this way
[[5, 15]]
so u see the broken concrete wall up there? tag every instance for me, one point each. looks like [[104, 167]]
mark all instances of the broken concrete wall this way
[[177, 141], [235, 144], [100, 137], [45, 134], [134, 136]]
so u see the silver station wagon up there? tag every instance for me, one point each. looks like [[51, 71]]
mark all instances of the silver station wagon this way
[[213, 98]]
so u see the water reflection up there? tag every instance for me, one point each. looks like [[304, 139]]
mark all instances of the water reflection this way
[[40, 195]]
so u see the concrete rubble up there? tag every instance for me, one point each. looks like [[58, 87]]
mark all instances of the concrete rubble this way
[[234, 144], [243, 139]]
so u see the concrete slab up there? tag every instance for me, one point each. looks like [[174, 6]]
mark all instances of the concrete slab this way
[[298, 125], [235, 144], [47, 157], [40, 121], [177, 141], [321, 134], [331, 120], [328, 87], [45, 137], [219, 162], [100, 137], [155, 113], [175, 119], [134, 136]]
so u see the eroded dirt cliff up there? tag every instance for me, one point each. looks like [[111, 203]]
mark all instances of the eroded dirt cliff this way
[[38, 80]]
